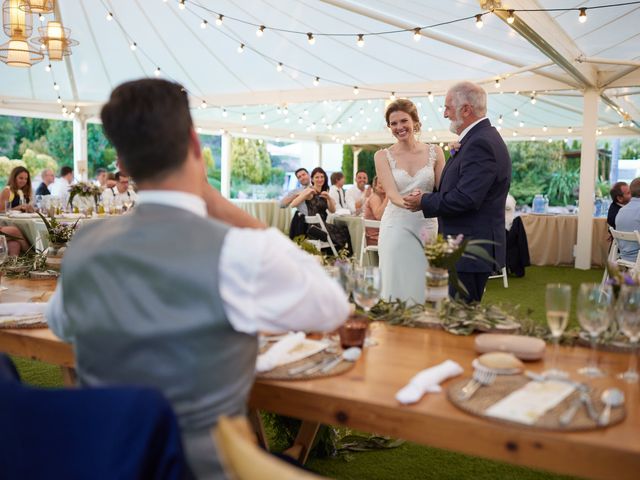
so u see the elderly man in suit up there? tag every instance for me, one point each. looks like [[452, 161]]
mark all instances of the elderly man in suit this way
[[474, 186]]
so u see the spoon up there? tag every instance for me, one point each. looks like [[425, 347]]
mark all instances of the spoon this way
[[612, 398], [349, 355]]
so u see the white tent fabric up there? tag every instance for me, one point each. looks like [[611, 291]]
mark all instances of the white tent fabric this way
[[548, 55]]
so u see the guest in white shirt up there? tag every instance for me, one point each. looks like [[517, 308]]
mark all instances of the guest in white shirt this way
[[336, 191], [122, 193], [101, 177], [60, 187], [358, 194]]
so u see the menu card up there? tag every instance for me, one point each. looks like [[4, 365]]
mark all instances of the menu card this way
[[527, 404]]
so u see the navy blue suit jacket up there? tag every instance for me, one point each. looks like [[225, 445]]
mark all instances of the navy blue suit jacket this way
[[473, 192]]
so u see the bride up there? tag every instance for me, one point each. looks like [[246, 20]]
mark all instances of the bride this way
[[405, 166]]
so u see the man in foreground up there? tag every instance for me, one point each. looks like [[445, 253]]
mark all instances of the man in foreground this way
[[170, 298], [474, 186]]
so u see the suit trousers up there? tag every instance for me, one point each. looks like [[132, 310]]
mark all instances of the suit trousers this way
[[474, 282]]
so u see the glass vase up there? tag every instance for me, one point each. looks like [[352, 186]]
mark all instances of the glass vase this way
[[437, 287]]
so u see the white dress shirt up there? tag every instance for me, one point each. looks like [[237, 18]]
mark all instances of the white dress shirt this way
[[266, 282], [338, 196], [466, 130], [60, 187], [354, 194], [113, 195]]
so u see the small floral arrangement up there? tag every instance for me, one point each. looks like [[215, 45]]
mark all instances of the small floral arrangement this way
[[58, 232], [445, 253], [84, 189], [618, 278]]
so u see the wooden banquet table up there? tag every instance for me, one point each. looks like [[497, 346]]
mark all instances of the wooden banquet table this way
[[363, 398], [552, 239]]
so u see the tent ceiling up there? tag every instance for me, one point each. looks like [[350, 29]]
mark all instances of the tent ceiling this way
[[206, 62]]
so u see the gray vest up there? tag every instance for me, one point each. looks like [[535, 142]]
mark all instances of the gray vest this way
[[142, 296]]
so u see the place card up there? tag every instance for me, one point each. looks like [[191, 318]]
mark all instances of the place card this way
[[527, 404]]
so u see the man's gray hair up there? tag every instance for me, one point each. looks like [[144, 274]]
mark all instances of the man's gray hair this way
[[469, 93], [634, 187], [45, 170]]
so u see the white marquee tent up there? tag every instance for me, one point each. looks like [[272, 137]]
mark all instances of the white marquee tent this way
[[548, 74]]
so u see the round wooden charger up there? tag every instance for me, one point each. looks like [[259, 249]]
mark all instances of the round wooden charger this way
[[18, 324], [505, 384], [282, 372]]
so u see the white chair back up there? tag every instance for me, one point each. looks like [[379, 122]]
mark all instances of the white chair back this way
[[614, 252], [319, 244], [364, 248]]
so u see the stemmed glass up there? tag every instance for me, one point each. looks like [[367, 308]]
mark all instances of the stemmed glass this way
[[558, 303], [594, 314], [4, 253], [366, 288], [628, 316]]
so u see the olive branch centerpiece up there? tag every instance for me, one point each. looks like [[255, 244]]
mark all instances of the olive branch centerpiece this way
[[58, 232]]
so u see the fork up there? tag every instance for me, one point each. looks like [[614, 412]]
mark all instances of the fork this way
[[480, 378]]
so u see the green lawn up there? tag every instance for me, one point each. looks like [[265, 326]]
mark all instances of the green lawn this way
[[411, 461]]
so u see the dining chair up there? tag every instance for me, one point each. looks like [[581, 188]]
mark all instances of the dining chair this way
[[320, 244], [614, 252], [364, 248], [502, 275], [244, 460]]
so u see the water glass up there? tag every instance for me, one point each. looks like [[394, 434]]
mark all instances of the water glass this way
[[628, 316], [558, 305], [366, 291], [595, 310]]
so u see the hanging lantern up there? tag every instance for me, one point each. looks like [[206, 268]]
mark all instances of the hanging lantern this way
[[16, 18], [55, 39], [18, 53], [40, 6]]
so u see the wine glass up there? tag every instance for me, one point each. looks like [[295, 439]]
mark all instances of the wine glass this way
[[4, 253], [558, 303], [366, 288], [594, 314], [628, 316]]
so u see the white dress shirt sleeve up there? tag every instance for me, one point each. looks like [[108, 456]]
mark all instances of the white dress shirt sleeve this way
[[352, 196], [269, 284], [333, 193]]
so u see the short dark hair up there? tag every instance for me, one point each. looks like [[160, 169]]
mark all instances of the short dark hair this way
[[149, 123], [301, 169], [336, 177], [616, 190], [100, 170], [118, 175], [363, 171], [325, 187], [634, 187], [66, 170]]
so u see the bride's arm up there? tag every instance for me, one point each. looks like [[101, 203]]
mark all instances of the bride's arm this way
[[438, 166], [383, 171]]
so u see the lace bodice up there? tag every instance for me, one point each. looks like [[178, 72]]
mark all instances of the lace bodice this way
[[424, 179]]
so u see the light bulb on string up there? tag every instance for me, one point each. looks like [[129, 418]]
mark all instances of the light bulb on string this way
[[356, 91], [516, 112], [305, 112], [521, 124], [181, 4], [41, 17], [479, 22], [109, 16], [533, 139], [360, 40], [244, 129], [224, 112], [285, 110], [582, 17], [203, 104], [570, 129], [511, 17], [292, 135], [47, 68], [515, 133], [262, 115], [59, 100], [316, 81], [244, 116], [260, 31], [416, 35], [621, 124], [392, 97], [56, 86], [203, 24], [77, 109], [219, 19], [133, 46], [300, 120], [544, 129], [310, 38], [533, 100], [241, 48], [156, 72], [497, 84], [500, 120], [430, 95], [279, 67]]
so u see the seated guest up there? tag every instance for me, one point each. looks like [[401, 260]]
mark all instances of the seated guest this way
[[318, 201], [121, 193], [628, 220], [357, 194], [101, 177], [620, 196], [374, 208], [336, 191], [196, 277], [304, 181], [17, 194], [60, 187], [48, 177]]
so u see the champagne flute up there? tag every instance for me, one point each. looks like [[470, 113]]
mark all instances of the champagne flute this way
[[628, 316], [366, 291], [558, 303], [594, 315], [4, 253]]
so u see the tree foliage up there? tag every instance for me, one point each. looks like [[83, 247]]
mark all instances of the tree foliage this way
[[250, 161], [365, 162], [7, 135], [60, 141]]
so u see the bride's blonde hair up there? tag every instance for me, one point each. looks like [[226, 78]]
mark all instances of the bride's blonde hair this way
[[406, 106]]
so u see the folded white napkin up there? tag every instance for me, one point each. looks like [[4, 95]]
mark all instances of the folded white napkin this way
[[17, 312], [428, 381], [278, 352]]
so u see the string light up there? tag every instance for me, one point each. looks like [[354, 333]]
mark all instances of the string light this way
[[241, 48], [77, 109], [549, 140], [515, 133], [310, 38], [544, 129], [510, 18], [430, 95], [219, 19], [570, 129], [533, 100], [479, 22], [262, 115], [316, 81], [521, 124], [356, 91], [292, 135], [279, 67], [204, 24], [181, 5], [244, 129], [500, 119], [516, 112], [157, 72], [392, 97], [224, 112], [59, 100], [47, 68], [244, 116], [360, 41], [56, 87], [582, 17], [260, 30], [133, 46], [109, 16], [203, 105], [416, 35], [300, 120], [497, 84]]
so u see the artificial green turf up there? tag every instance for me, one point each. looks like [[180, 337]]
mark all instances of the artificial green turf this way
[[411, 461]]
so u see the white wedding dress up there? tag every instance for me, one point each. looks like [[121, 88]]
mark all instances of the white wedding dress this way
[[400, 248]]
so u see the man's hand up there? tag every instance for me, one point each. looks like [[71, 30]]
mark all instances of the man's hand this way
[[412, 201]]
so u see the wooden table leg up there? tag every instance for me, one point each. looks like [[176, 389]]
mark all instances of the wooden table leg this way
[[303, 442], [69, 377], [258, 427]]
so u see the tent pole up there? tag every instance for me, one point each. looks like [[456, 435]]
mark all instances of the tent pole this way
[[320, 155], [80, 165], [587, 179], [225, 165]]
